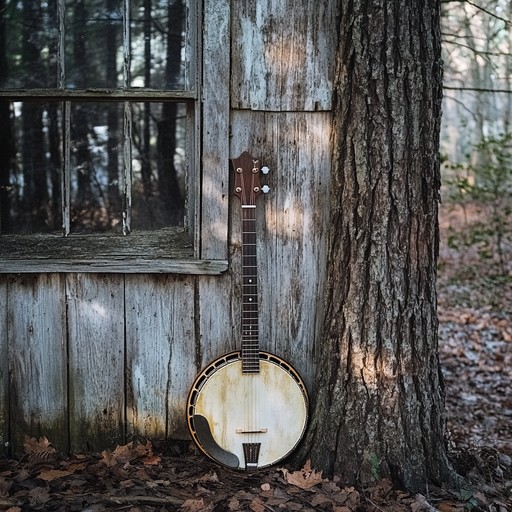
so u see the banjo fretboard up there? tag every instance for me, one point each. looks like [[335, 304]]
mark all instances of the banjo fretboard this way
[[250, 334]]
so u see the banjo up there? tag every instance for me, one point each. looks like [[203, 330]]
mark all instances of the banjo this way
[[248, 409]]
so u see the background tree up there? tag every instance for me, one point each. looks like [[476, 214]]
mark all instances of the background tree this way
[[173, 201], [379, 403], [476, 136], [478, 68]]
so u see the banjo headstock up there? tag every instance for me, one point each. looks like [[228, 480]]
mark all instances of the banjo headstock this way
[[247, 179]]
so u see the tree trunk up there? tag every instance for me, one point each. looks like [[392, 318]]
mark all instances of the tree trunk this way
[[378, 409]]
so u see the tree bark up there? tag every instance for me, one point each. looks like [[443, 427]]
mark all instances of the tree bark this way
[[378, 409]]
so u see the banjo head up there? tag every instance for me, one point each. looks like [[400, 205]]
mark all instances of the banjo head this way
[[247, 420]]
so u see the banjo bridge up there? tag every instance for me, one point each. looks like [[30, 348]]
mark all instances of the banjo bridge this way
[[253, 431]]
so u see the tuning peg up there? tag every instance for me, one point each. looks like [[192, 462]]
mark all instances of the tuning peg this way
[[265, 169], [265, 189]]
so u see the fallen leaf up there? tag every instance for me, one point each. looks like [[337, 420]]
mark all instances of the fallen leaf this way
[[320, 499], [257, 506], [151, 460], [38, 496], [304, 478], [446, 506], [194, 505], [233, 505], [52, 474], [39, 449], [125, 453]]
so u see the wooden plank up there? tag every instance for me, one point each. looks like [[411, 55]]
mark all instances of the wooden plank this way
[[119, 266], [169, 243], [98, 94], [160, 357], [215, 136], [36, 337], [283, 54], [218, 313], [4, 371], [292, 245], [96, 360]]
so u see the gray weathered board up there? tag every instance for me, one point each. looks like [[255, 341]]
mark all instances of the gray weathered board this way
[[91, 358]]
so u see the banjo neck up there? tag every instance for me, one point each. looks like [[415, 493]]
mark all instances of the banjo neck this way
[[250, 312], [247, 189]]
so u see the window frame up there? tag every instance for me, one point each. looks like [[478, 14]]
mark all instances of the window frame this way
[[204, 249]]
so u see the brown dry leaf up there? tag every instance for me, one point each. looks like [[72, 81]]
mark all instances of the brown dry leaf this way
[[152, 460], [256, 505], [52, 474], [336, 508], [244, 495], [320, 499], [128, 452], [353, 499], [38, 449], [233, 505], [194, 505], [265, 487], [38, 496], [420, 503], [304, 478], [209, 477], [447, 506]]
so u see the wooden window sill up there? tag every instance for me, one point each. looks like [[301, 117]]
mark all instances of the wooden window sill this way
[[162, 251]]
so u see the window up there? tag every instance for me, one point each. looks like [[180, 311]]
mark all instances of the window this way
[[99, 132]]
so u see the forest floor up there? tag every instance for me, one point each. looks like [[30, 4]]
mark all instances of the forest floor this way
[[475, 313]]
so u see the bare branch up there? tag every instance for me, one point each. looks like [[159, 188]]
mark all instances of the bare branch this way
[[474, 50], [476, 89], [479, 7]]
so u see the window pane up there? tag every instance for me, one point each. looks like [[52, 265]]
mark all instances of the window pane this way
[[94, 43], [158, 165], [96, 167], [28, 44], [154, 198], [30, 144], [158, 44]]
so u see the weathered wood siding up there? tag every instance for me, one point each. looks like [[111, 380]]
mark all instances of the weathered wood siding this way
[[92, 358], [4, 371], [283, 55], [37, 357], [291, 252]]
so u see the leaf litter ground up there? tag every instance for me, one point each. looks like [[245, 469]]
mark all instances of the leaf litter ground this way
[[475, 313]]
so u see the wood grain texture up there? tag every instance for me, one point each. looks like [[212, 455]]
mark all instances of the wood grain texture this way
[[36, 333], [283, 55], [291, 251], [215, 131], [119, 266], [218, 317], [164, 251], [96, 360], [4, 369], [160, 353]]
